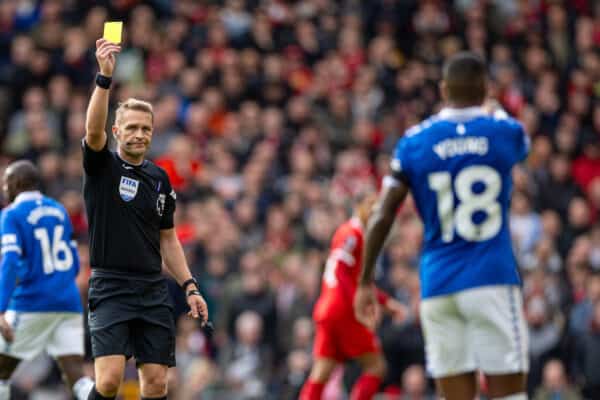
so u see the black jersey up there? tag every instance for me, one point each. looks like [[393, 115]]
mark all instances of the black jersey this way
[[127, 206]]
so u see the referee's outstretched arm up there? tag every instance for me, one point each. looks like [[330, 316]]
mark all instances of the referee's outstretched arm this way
[[97, 112], [174, 260]]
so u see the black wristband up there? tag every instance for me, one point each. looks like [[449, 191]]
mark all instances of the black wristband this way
[[103, 81], [193, 292], [187, 283]]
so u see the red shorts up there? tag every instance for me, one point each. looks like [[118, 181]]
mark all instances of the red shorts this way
[[343, 340]]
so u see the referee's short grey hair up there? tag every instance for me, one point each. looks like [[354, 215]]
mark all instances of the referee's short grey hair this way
[[133, 104]]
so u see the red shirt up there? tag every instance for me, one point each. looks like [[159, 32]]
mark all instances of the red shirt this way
[[342, 273], [585, 169]]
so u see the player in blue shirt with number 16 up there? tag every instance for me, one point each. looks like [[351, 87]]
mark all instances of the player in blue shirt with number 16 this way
[[457, 165], [40, 306]]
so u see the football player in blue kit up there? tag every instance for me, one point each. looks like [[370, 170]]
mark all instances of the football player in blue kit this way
[[457, 165], [40, 305]]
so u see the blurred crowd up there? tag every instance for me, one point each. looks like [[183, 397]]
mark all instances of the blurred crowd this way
[[270, 117]]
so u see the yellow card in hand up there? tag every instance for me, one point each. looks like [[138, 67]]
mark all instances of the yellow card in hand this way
[[112, 31]]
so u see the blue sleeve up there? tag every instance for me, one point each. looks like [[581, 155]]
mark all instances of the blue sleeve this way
[[519, 139], [12, 252], [522, 142], [400, 162]]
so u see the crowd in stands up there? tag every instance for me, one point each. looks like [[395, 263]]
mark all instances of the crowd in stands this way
[[270, 117]]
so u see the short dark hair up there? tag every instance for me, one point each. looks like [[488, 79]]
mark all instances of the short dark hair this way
[[25, 175], [464, 74]]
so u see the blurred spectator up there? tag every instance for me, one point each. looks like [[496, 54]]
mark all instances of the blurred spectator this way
[[555, 385], [414, 384], [557, 191], [246, 362], [545, 330], [588, 356], [525, 225], [255, 295]]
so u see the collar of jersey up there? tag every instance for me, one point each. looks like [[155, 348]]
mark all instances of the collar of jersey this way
[[130, 164], [28, 195], [461, 114]]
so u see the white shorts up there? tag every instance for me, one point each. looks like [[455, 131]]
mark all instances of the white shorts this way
[[59, 334], [476, 329]]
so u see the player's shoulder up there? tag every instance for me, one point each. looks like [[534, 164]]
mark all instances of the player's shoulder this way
[[341, 230], [414, 137], [10, 211], [52, 202], [155, 170], [501, 121], [420, 130], [45, 206], [349, 230], [21, 208]]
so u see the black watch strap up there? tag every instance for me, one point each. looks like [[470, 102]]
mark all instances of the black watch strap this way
[[187, 283], [103, 81], [193, 292]]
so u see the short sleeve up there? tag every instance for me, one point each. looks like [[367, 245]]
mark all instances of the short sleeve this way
[[400, 162], [94, 161], [166, 221], [12, 241], [12, 253], [522, 142]]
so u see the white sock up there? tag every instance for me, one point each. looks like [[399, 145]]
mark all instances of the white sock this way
[[4, 390], [516, 396], [82, 388]]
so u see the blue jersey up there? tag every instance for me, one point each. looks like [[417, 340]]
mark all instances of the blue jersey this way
[[458, 165], [39, 259]]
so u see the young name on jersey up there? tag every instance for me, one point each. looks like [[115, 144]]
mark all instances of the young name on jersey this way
[[458, 165]]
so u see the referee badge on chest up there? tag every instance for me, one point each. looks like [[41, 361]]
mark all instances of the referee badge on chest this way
[[128, 188]]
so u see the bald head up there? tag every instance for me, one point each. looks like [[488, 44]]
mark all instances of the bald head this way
[[20, 176], [463, 82]]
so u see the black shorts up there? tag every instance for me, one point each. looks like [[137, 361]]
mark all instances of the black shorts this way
[[131, 317]]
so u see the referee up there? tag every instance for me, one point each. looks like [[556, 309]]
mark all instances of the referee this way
[[130, 205]]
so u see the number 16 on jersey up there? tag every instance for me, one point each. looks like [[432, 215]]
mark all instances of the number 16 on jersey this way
[[52, 250]]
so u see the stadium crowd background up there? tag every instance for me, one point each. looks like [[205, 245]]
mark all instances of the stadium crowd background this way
[[270, 116]]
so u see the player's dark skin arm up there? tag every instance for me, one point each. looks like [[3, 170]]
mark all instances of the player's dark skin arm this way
[[378, 227]]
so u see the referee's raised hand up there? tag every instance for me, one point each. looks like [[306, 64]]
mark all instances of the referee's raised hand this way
[[106, 56]]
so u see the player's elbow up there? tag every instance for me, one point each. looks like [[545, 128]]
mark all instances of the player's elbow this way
[[168, 237], [380, 218]]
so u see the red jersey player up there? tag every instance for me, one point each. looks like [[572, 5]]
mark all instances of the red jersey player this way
[[339, 336]]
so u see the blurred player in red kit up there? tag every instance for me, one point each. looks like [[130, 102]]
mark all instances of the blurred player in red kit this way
[[339, 336]]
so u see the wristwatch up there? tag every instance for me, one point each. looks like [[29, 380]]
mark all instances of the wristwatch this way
[[187, 283], [193, 292]]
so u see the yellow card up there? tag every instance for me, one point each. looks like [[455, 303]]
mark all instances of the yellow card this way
[[113, 31]]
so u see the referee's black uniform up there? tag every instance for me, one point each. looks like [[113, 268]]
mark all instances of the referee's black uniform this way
[[130, 311]]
